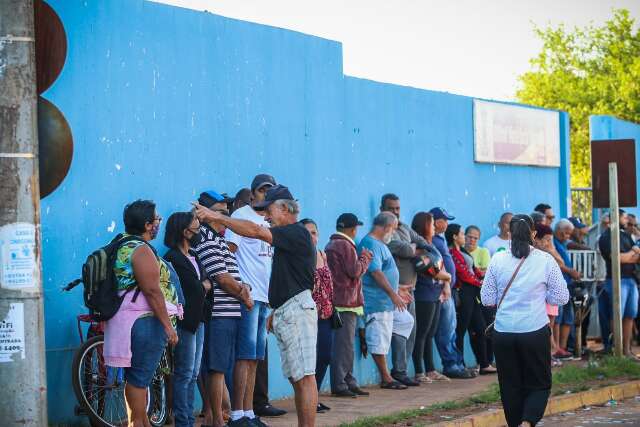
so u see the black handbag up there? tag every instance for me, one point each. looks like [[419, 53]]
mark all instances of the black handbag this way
[[336, 319]]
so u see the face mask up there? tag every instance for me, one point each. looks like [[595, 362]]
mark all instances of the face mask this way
[[154, 231], [195, 240], [387, 238]]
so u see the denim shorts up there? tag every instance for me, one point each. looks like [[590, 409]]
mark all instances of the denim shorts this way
[[628, 296], [295, 325], [565, 314], [379, 327], [148, 341], [252, 333], [220, 343]]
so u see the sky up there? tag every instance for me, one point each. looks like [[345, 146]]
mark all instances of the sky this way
[[469, 47]]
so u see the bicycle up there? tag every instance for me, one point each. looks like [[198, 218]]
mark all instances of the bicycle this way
[[99, 388]]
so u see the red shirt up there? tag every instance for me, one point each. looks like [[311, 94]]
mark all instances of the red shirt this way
[[464, 274]]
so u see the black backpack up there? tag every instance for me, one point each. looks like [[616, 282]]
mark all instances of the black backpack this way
[[100, 283]]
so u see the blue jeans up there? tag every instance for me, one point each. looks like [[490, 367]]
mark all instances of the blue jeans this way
[[187, 355], [446, 339], [628, 296]]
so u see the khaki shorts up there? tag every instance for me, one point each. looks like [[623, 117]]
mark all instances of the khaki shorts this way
[[295, 325]]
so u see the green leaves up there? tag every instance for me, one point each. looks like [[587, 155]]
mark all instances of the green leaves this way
[[585, 71]]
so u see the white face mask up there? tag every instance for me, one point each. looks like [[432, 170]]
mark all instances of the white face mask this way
[[387, 238]]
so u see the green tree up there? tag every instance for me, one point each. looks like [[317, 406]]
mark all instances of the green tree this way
[[585, 71]]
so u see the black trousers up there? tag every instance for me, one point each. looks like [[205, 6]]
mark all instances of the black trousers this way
[[470, 318], [427, 318], [524, 374]]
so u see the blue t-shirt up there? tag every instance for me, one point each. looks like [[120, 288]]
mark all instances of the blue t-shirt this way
[[564, 254], [376, 299]]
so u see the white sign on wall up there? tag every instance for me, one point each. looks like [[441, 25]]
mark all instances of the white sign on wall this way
[[517, 135]]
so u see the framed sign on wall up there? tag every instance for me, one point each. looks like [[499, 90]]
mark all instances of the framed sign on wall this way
[[516, 135]]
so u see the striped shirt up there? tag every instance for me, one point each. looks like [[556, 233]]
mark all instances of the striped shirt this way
[[216, 258]]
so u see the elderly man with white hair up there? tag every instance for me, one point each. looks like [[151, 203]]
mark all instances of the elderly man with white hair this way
[[561, 237]]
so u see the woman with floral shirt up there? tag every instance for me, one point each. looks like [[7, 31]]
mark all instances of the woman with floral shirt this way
[[323, 296]]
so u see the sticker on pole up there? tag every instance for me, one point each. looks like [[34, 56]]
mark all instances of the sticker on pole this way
[[17, 255], [12, 333]]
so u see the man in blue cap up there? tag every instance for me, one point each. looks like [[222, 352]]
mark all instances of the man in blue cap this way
[[580, 231], [452, 361], [228, 292]]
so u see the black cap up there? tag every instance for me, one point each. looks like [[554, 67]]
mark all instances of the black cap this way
[[439, 213], [347, 220], [262, 180], [277, 192], [211, 197]]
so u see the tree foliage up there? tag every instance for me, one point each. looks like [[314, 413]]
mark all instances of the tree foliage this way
[[586, 71]]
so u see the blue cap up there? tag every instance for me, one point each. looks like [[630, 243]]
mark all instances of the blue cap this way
[[577, 222], [211, 197], [439, 213]]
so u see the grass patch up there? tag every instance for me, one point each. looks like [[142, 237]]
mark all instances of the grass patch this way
[[569, 378]]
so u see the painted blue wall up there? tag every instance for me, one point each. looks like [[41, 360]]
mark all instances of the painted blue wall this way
[[610, 127], [165, 102]]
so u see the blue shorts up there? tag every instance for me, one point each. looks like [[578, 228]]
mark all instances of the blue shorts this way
[[628, 296], [252, 332], [220, 343], [148, 341], [565, 314]]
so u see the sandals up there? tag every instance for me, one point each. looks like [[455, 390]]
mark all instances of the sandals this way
[[393, 385]]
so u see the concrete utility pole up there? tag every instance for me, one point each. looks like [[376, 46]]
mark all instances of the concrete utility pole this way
[[23, 391], [614, 213]]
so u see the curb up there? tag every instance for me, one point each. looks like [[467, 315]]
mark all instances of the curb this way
[[556, 405]]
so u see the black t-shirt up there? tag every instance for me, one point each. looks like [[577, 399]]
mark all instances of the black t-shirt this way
[[626, 243], [294, 263]]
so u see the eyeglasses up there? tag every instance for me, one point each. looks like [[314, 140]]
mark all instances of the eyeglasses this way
[[157, 218]]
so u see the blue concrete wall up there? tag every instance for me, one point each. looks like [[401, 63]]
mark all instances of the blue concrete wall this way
[[609, 127], [165, 102]]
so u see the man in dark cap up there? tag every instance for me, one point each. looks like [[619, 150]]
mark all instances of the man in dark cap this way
[[347, 269], [294, 319], [254, 260]]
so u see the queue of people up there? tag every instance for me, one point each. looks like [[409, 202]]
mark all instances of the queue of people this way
[[240, 268]]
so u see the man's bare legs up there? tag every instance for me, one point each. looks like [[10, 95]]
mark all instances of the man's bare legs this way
[[239, 385], [215, 391], [381, 363], [251, 384], [627, 334], [306, 396]]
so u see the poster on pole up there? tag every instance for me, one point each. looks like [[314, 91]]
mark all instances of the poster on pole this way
[[515, 135], [12, 334], [17, 256]]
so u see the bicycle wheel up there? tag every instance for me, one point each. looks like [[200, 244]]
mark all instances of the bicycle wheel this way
[[158, 410], [99, 389]]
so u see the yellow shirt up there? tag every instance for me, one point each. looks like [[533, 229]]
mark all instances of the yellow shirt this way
[[481, 258]]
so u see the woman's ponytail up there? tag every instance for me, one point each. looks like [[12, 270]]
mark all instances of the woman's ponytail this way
[[521, 228]]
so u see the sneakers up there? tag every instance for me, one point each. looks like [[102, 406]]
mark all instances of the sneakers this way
[[241, 422], [322, 408], [344, 393], [268, 411], [257, 422], [437, 376], [563, 354], [358, 391]]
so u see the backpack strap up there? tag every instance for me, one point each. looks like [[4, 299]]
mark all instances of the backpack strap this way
[[121, 240]]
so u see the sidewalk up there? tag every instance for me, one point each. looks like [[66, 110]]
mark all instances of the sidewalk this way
[[383, 402]]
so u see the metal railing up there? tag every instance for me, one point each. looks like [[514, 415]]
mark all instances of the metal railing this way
[[582, 204]]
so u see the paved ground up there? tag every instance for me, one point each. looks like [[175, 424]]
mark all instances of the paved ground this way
[[621, 413], [382, 402]]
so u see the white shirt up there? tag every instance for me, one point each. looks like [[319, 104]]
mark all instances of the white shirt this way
[[497, 244], [253, 256], [538, 282]]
